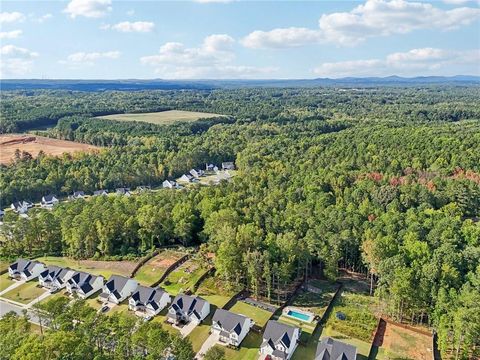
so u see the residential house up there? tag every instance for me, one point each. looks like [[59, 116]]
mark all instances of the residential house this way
[[186, 178], [331, 349], [123, 191], [84, 284], [2, 213], [77, 195], [186, 308], [197, 173], [55, 277], [148, 300], [48, 201], [25, 270], [228, 165], [170, 184], [279, 340], [209, 167], [21, 207], [231, 328], [100, 192], [118, 288]]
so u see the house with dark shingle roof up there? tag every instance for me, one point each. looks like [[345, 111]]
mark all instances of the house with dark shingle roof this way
[[331, 349], [123, 191], [84, 284], [48, 201], [186, 308], [230, 327], [55, 277], [21, 207], [23, 269], [77, 195], [279, 340], [148, 300], [100, 192], [118, 288]]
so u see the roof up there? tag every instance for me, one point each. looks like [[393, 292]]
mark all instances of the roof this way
[[188, 304], [117, 283], [49, 197], [83, 280], [229, 321], [100, 192], [55, 272], [122, 190], [331, 349], [276, 332], [19, 204], [146, 295], [78, 193], [20, 264]]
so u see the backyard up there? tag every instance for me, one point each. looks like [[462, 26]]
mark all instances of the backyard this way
[[25, 293], [215, 291], [402, 343], [258, 315], [184, 277], [154, 268]]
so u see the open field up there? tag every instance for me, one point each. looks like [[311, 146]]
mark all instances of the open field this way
[[183, 277], [162, 117], [33, 144], [258, 315], [215, 292], [25, 293], [5, 281], [104, 268], [154, 268], [400, 343]]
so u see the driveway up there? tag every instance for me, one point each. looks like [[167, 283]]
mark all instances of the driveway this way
[[38, 299], [209, 343], [187, 329], [11, 287]]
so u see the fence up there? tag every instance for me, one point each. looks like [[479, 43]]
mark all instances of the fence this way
[[195, 286], [377, 339], [170, 269], [143, 261]]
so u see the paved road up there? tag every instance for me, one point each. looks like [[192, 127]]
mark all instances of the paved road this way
[[6, 307]]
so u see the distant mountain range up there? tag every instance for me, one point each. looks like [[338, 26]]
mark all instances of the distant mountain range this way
[[132, 84]]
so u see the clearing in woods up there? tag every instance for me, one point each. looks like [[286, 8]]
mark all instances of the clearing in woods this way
[[162, 117], [33, 144]]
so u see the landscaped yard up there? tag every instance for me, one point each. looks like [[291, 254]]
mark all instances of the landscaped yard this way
[[215, 291], [184, 277], [25, 293], [202, 331], [104, 268], [258, 315], [5, 282], [121, 308], [161, 117], [161, 318], [63, 293], [154, 268], [249, 348], [93, 300]]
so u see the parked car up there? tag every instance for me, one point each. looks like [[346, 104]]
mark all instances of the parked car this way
[[54, 290], [148, 318], [104, 309]]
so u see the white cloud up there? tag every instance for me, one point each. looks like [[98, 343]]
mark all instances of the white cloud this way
[[88, 8], [41, 19], [374, 18], [10, 17], [460, 2], [424, 61], [16, 60], [212, 59], [10, 34], [127, 26], [89, 59]]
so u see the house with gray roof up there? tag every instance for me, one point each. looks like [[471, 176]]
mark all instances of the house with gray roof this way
[[55, 277], [84, 284], [77, 195], [279, 340], [229, 165], [118, 288], [26, 270], [21, 207], [230, 327], [48, 201], [148, 300], [331, 349], [123, 191], [100, 192], [186, 308], [196, 173], [170, 184]]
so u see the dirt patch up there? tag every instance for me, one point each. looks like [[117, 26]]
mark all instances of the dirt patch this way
[[117, 267], [405, 343], [9, 143], [353, 282]]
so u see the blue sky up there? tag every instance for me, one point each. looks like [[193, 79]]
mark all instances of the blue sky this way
[[215, 39]]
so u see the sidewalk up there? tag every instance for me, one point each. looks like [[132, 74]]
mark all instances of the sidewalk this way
[[11, 287]]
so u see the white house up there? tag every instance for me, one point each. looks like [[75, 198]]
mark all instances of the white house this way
[[100, 192], [148, 300], [196, 173], [48, 201], [77, 195], [118, 288], [209, 167], [330, 348], [21, 207], [25, 270], [231, 328], [170, 184], [279, 340], [186, 178], [84, 285], [228, 165], [123, 191], [55, 277], [186, 308]]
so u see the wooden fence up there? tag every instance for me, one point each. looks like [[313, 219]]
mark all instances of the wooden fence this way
[[143, 261], [170, 269]]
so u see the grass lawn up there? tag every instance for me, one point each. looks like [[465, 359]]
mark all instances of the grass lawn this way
[[306, 327], [249, 348], [400, 343], [258, 315], [5, 282], [202, 331], [363, 347], [154, 268], [4, 264], [121, 308], [308, 348], [313, 302], [104, 268], [160, 320], [215, 291], [184, 277], [93, 300], [60, 294], [25, 293], [162, 117]]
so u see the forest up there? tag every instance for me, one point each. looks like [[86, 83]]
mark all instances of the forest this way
[[384, 181]]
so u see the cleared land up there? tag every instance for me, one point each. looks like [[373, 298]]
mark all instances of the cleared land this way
[[401, 343], [154, 268], [25, 293], [162, 117], [184, 277], [33, 144], [104, 268]]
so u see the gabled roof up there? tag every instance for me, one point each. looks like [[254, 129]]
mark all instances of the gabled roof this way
[[19, 204], [116, 283], [83, 280], [189, 305], [229, 321], [276, 332], [20, 264], [145, 295], [100, 192], [331, 349], [78, 193], [122, 190], [55, 272], [48, 198]]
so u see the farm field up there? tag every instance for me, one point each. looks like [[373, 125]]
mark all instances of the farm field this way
[[5, 281], [33, 144], [154, 268], [258, 315], [25, 293], [161, 117], [215, 292], [184, 277], [103, 268], [401, 343]]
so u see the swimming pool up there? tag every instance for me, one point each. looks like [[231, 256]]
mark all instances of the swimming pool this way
[[298, 315]]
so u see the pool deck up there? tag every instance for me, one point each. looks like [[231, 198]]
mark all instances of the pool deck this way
[[307, 316]]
